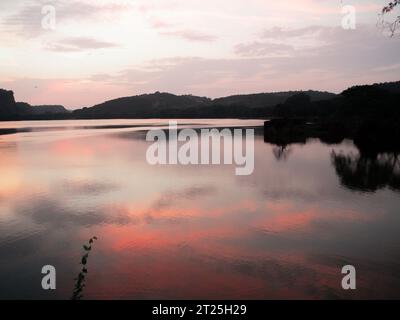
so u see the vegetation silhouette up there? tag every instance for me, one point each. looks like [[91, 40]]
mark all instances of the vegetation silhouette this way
[[356, 101], [282, 152], [157, 105], [81, 278], [368, 174], [394, 25], [368, 115], [375, 166], [284, 132]]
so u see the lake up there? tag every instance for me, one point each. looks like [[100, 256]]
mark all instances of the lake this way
[[192, 232]]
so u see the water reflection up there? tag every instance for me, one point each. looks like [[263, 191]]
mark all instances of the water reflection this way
[[368, 169], [190, 231], [368, 174], [282, 152]]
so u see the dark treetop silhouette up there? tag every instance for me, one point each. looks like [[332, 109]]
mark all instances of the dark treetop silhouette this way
[[393, 25], [166, 105]]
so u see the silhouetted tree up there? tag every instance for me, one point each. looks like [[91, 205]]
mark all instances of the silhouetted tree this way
[[391, 6], [296, 105], [394, 25]]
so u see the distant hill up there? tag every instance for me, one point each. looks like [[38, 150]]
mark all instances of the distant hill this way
[[363, 101], [265, 100], [25, 108], [356, 100], [142, 106], [11, 110], [393, 87], [7, 104], [164, 105]]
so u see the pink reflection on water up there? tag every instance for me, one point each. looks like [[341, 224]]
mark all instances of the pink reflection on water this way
[[195, 232]]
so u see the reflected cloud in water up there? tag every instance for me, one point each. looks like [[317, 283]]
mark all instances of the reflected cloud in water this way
[[194, 231]]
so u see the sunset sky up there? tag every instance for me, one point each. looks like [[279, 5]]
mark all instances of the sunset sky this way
[[105, 49]]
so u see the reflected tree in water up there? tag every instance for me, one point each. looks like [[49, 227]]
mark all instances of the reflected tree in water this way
[[366, 173], [282, 133], [282, 152]]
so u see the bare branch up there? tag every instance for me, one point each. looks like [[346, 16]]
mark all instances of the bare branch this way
[[392, 26]]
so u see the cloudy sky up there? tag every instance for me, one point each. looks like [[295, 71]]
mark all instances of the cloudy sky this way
[[103, 49]]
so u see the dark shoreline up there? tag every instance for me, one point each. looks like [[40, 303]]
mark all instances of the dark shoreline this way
[[370, 136]]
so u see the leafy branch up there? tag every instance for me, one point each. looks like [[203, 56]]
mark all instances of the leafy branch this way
[[391, 26], [81, 278]]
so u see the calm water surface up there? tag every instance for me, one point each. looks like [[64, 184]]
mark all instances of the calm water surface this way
[[183, 232]]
